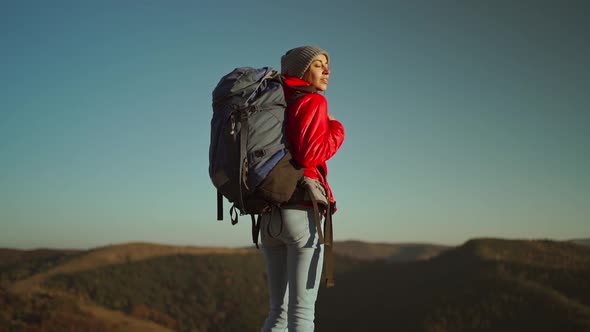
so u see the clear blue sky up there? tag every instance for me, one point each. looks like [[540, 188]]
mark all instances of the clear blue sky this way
[[463, 118]]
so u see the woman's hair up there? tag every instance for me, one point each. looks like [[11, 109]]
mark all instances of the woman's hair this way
[[296, 61]]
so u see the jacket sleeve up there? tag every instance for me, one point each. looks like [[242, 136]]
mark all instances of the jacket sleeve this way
[[313, 137]]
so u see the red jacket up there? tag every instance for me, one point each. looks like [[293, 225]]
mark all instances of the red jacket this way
[[313, 138]]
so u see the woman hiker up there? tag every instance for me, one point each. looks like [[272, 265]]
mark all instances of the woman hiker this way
[[291, 242]]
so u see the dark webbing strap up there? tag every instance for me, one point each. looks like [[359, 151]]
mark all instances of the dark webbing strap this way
[[328, 241], [328, 248], [255, 229], [326, 238], [219, 205], [234, 214]]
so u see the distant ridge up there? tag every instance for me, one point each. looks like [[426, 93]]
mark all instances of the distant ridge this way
[[116, 254], [392, 252], [12, 256], [533, 253], [585, 242]]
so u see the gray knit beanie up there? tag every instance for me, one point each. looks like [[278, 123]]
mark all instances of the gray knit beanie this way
[[296, 61]]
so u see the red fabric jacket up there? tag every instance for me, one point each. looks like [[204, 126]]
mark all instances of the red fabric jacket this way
[[312, 137]]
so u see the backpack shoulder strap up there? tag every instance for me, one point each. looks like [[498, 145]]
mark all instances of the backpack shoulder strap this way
[[298, 91]]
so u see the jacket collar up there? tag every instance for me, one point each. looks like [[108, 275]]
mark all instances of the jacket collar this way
[[298, 84]]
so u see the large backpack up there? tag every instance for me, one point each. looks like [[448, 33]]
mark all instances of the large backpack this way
[[249, 159]]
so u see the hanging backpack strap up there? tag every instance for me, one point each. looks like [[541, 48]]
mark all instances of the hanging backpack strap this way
[[328, 247], [326, 238], [328, 234], [219, 205], [233, 214], [255, 229]]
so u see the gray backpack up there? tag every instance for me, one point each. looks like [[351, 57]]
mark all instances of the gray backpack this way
[[249, 159]]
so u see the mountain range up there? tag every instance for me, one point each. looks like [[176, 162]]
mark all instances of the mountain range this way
[[485, 284]]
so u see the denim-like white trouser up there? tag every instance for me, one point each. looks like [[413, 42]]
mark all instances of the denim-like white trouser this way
[[294, 267]]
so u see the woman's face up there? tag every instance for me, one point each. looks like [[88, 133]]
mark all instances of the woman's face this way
[[318, 72]]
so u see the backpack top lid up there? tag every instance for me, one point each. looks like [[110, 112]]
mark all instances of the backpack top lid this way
[[241, 84]]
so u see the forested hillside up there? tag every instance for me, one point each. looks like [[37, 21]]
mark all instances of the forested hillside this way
[[482, 285]]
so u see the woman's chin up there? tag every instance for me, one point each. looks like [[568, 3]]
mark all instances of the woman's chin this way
[[321, 87]]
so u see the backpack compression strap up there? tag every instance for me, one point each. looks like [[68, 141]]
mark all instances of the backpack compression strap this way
[[327, 238], [243, 145], [255, 229]]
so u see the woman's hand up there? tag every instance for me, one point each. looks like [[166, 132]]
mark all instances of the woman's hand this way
[[330, 117]]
